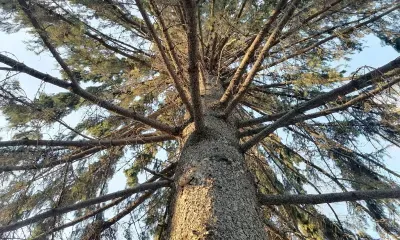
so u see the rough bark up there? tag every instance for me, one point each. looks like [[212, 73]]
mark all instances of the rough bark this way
[[215, 197]]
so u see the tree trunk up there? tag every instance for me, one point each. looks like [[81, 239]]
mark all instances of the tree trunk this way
[[214, 196]]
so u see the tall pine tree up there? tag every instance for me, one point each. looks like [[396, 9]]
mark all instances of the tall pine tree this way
[[224, 115]]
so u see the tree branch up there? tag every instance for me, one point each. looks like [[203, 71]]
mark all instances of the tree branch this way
[[18, 66], [150, 138], [7, 69], [178, 82], [80, 219], [250, 52], [306, 22], [329, 111], [75, 85], [134, 204], [107, 206], [168, 39], [352, 86], [137, 201], [58, 211], [138, 26], [329, 197], [193, 70], [43, 35], [66, 159], [157, 174], [347, 104], [12, 97], [99, 39], [260, 58], [333, 36]]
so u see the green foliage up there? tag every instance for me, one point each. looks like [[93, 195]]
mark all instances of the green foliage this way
[[142, 159], [46, 108], [17, 114]]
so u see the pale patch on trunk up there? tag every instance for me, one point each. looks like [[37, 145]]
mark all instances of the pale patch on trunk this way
[[193, 226]]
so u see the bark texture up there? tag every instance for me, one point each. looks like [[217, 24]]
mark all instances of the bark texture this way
[[215, 197]]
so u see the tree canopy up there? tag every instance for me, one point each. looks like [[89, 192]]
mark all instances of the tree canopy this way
[[135, 72]]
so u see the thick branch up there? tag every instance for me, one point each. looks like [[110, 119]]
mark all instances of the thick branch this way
[[329, 197], [367, 78], [20, 67], [193, 70], [58, 211], [347, 104]]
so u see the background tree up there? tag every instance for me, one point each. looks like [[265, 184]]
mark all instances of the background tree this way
[[223, 115]]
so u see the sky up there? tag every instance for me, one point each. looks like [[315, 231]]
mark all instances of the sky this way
[[374, 55]]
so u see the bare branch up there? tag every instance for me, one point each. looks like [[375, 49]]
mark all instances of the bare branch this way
[[127, 210], [178, 82], [43, 35], [66, 159], [250, 52], [138, 26], [157, 174], [333, 36], [7, 69], [18, 66], [135, 203], [260, 58], [58, 211], [83, 218], [101, 39], [150, 138], [168, 39], [329, 111], [329, 197], [354, 85]]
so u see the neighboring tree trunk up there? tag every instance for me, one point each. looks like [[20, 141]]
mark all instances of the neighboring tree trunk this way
[[214, 197]]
